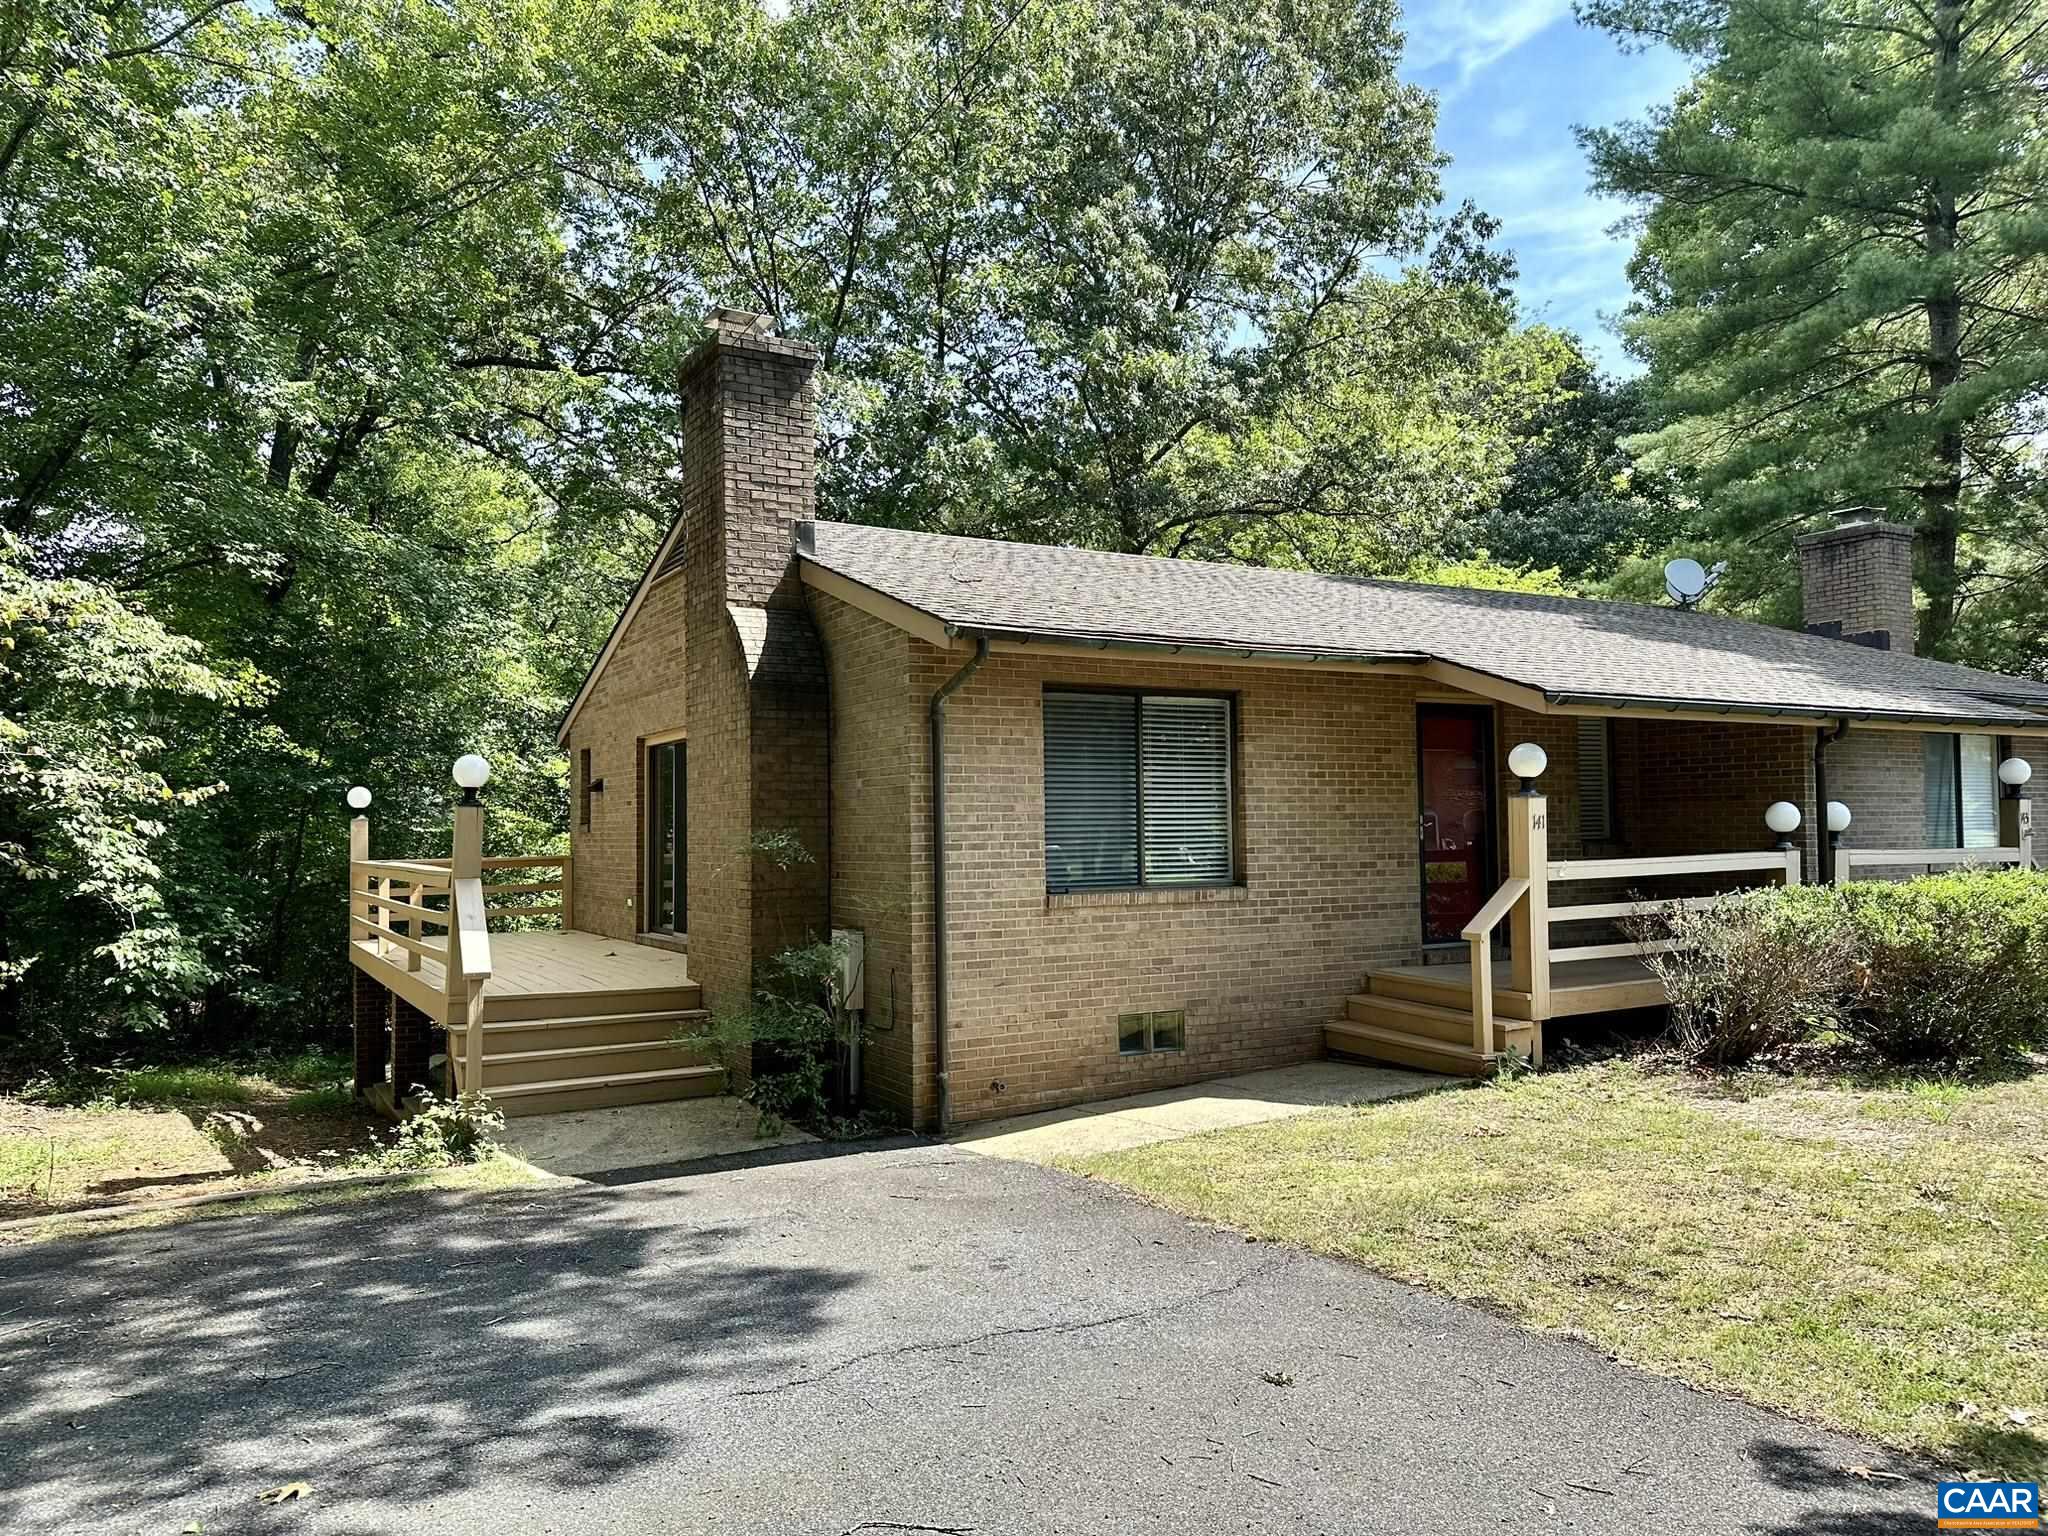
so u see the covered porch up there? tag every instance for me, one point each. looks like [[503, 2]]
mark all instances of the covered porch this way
[[1562, 937]]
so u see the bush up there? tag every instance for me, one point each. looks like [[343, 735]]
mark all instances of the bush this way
[[1954, 968], [787, 1041], [443, 1132], [1945, 970], [1759, 971]]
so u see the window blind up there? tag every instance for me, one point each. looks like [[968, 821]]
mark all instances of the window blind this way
[[1979, 760], [1137, 791], [1184, 768], [1938, 755], [1961, 791], [1596, 781], [1091, 791]]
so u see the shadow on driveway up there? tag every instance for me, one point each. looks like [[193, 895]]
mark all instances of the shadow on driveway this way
[[395, 1345]]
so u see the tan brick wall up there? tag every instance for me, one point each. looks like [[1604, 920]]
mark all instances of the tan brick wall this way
[[1703, 787], [1881, 776], [640, 694], [1856, 583], [878, 751], [1326, 765]]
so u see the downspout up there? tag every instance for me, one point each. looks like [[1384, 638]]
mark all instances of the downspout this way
[[1822, 740], [951, 686]]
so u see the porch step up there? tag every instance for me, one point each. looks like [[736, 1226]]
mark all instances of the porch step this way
[[604, 1092], [1453, 1026], [1402, 1049], [1420, 987]]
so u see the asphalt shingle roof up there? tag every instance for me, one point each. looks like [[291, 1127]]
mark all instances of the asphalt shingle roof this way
[[1570, 648]]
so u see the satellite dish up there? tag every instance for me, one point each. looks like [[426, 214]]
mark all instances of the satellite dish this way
[[1685, 582]]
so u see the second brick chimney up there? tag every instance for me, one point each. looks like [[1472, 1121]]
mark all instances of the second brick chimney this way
[[1856, 584]]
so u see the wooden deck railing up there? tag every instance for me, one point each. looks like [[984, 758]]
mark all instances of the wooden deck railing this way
[[559, 886], [442, 910], [1785, 861], [1523, 901], [1479, 934]]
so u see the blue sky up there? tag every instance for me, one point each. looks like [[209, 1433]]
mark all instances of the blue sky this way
[[1512, 77]]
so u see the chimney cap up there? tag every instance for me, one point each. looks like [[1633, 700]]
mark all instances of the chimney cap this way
[[746, 321], [1842, 533]]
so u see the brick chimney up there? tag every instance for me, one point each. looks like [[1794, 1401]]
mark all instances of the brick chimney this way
[[1856, 584], [750, 454], [755, 695]]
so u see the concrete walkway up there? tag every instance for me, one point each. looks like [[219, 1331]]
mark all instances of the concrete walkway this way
[[587, 1143], [1248, 1099]]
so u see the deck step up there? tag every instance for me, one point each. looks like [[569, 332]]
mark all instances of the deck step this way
[[603, 1092], [503, 1036], [1417, 986], [505, 1069], [1451, 1025], [530, 1006], [1402, 1049]]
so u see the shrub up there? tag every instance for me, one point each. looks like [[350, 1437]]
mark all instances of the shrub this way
[[1949, 969], [443, 1132], [1953, 968], [1758, 971], [788, 1039]]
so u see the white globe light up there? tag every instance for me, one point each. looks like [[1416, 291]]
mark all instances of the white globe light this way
[[2015, 771], [1528, 761], [1838, 816], [359, 798], [1782, 818], [471, 771]]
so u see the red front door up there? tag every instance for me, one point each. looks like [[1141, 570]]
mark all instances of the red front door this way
[[1456, 776]]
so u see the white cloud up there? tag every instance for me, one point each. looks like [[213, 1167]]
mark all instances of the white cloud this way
[[1468, 35]]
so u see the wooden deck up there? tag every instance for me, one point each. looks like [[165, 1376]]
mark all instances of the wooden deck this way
[[544, 974]]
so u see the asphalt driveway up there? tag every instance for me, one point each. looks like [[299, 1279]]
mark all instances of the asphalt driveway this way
[[909, 1338]]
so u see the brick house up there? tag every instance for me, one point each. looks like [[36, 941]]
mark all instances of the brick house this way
[[1186, 807]]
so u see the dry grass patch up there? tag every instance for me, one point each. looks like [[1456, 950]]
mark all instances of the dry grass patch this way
[[165, 1132], [158, 1135], [1874, 1258]]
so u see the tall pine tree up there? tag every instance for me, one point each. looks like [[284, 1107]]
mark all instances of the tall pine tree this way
[[1842, 274]]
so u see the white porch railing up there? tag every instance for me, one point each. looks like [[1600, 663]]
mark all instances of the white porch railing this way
[[1523, 901], [2015, 834]]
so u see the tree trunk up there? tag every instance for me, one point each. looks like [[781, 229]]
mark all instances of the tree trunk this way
[[1938, 534]]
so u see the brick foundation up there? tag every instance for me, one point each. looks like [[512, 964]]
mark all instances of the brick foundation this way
[[372, 1031], [414, 1042]]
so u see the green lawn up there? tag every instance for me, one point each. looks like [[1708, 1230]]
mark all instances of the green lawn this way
[[1871, 1257]]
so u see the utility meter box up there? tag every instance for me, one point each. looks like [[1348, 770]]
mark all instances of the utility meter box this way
[[852, 944]]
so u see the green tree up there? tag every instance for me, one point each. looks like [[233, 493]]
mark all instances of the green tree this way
[[341, 342], [97, 933], [1576, 498], [1841, 273], [1162, 278]]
